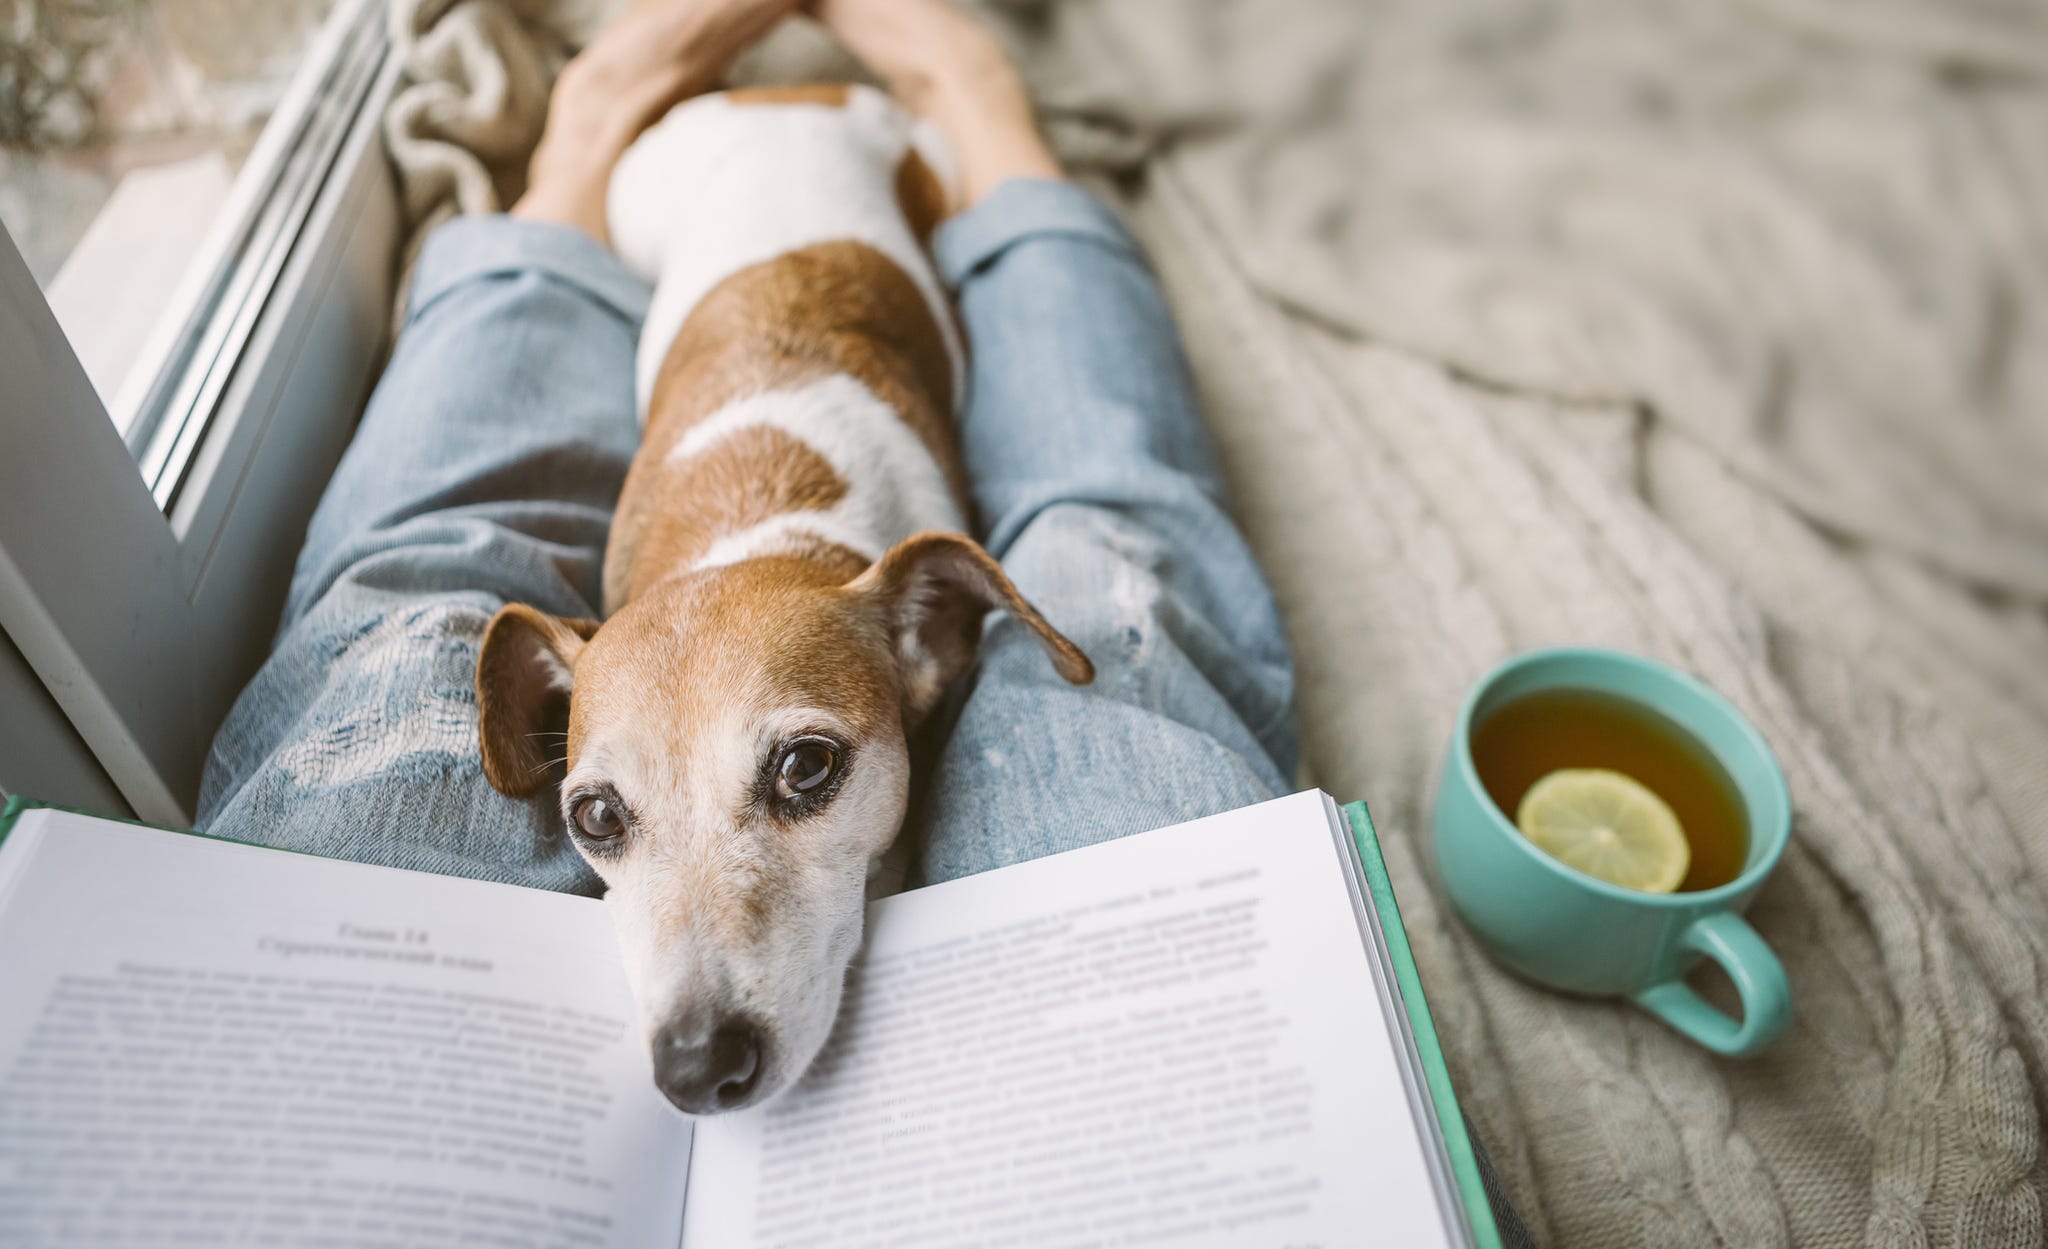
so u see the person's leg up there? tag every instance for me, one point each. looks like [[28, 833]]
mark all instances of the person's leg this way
[[484, 471], [1094, 477]]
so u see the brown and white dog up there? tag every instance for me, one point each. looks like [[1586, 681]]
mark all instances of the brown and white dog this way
[[787, 590]]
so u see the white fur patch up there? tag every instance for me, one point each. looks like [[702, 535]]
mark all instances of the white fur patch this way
[[893, 485], [670, 895], [715, 187]]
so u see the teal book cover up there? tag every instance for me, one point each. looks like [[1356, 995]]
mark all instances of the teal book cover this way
[[1457, 1141]]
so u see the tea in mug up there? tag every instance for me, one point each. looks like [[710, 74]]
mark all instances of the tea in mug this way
[[1528, 738]]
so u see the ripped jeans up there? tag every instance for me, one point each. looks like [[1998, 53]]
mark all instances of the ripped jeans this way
[[485, 471]]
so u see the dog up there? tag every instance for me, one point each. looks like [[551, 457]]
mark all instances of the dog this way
[[788, 587]]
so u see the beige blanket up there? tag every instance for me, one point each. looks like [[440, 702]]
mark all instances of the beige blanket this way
[[1716, 331]]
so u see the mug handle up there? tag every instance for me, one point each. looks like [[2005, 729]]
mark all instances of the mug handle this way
[[1759, 978]]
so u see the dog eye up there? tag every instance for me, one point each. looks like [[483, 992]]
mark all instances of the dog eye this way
[[598, 820], [805, 766]]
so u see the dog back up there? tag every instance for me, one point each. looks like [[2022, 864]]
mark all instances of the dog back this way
[[800, 365]]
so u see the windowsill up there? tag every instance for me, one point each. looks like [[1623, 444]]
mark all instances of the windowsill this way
[[111, 294], [254, 372]]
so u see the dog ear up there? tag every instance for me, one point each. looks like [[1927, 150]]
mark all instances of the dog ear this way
[[523, 674], [934, 589]]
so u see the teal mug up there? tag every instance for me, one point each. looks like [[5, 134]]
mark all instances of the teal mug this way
[[1559, 927]]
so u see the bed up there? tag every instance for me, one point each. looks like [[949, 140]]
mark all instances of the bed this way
[[1714, 332]]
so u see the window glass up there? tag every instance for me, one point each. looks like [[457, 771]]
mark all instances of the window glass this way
[[127, 129]]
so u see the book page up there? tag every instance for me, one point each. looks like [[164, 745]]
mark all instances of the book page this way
[[209, 1043], [1173, 1039]]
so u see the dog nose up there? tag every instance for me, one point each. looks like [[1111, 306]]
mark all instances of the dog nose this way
[[705, 1069]]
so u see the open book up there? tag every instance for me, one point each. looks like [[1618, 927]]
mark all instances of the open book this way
[[1205, 1035]]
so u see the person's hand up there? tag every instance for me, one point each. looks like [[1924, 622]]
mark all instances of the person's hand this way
[[652, 55], [943, 65]]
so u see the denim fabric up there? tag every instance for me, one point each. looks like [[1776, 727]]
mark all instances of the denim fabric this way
[[1097, 489], [495, 444]]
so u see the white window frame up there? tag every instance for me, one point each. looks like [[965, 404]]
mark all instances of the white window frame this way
[[140, 602]]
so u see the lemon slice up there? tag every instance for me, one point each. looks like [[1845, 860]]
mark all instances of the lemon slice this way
[[1606, 825]]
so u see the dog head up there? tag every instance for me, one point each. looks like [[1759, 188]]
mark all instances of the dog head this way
[[737, 758]]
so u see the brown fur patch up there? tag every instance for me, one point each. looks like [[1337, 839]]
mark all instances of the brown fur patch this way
[[840, 563], [755, 635], [934, 589], [756, 474], [520, 709], [919, 194], [831, 308], [829, 94]]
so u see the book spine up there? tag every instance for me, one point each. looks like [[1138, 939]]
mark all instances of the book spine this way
[[1450, 1121]]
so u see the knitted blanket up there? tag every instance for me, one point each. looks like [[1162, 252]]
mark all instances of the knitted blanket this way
[[1717, 332]]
